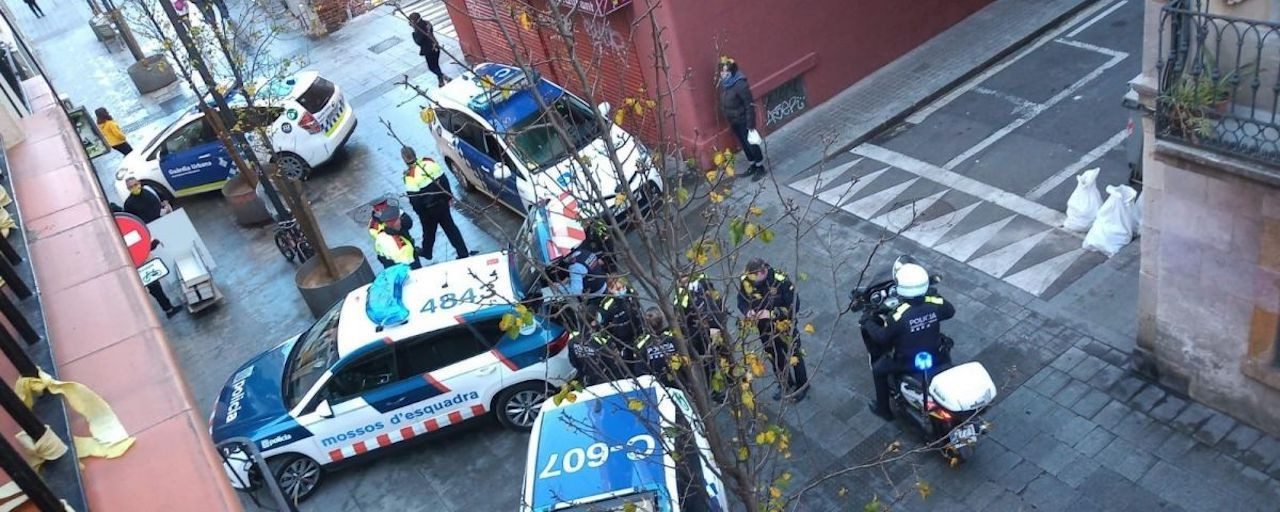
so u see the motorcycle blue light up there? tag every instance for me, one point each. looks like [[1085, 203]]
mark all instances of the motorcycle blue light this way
[[924, 361]]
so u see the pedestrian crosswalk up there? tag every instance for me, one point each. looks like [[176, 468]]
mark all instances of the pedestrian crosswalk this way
[[435, 12], [998, 233]]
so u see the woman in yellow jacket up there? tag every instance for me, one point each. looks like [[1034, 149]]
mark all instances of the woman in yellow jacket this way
[[111, 130]]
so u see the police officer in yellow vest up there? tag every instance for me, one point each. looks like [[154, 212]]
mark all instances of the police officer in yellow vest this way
[[393, 244], [429, 195]]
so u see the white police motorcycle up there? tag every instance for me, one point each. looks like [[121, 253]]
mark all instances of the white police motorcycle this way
[[948, 414]]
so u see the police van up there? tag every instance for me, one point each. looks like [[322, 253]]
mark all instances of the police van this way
[[346, 387], [628, 445], [493, 134]]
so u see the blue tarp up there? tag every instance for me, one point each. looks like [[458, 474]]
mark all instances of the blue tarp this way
[[385, 306]]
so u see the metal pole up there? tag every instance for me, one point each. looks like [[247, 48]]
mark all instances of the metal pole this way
[[7, 249], [18, 357], [27, 479], [11, 278], [18, 320], [25, 419]]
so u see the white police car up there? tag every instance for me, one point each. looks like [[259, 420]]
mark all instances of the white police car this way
[[344, 388], [628, 445], [309, 119], [492, 133]]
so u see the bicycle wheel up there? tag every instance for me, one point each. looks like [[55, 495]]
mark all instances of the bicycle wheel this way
[[305, 252], [285, 245]]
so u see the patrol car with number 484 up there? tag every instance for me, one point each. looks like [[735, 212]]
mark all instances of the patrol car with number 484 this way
[[346, 387]]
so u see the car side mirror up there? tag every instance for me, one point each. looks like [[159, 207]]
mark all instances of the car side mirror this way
[[500, 171], [324, 409], [603, 108]]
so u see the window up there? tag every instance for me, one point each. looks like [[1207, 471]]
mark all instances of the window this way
[[366, 373], [193, 134], [537, 141], [464, 127], [253, 118], [316, 352], [430, 352], [317, 96], [488, 331], [785, 102]]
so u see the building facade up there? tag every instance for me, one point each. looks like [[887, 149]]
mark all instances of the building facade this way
[[1209, 288], [795, 55]]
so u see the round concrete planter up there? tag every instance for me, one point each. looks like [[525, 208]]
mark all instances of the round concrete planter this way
[[151, 73], [246, 207], [320, 291]]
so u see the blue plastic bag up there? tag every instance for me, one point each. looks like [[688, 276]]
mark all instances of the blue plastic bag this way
[[385, 306]]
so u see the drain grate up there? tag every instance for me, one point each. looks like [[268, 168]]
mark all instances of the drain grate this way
[[386, 44]]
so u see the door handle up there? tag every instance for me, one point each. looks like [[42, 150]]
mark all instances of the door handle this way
[[206, 155], [486, 370]]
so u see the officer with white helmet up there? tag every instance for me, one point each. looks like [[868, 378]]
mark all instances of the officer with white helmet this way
[[909, 329]]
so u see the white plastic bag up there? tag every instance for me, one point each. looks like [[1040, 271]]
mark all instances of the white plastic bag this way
[[1082, 206], [1116, 222], [754, 137]]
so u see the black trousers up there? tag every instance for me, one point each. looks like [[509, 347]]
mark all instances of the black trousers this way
[[124, 148], [157, 291], [887, 366], [437, 214], [35, 9], [753, 152], [433, 63], [790, 376]]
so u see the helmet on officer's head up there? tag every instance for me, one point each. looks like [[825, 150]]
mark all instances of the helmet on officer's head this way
[[905, 259], [912, 281]]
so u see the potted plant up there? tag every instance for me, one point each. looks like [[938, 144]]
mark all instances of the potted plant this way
[[1194, 101]]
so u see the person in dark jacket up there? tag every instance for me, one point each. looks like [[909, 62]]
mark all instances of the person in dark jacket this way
[[740, 110], [424, 36], [655, 349], [767, 297], [142, 202], [913, 327], [596, 355], [701, 307]]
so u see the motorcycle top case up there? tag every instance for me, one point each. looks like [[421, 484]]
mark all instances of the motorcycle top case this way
[[963, 388]]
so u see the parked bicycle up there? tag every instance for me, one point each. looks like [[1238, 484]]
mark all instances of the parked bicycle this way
[[293, 245]]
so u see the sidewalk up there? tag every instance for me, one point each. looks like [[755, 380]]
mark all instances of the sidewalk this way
[[923, 74]]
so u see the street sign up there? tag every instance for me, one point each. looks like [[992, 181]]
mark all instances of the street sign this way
[[152, 271], [137, 238]]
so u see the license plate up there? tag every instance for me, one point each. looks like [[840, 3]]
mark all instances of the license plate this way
[[964, 435]]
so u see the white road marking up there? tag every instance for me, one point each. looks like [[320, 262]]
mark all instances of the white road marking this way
[[962, 247], [1092, 47], [1021, 103], [919, 116], [824, 177], [929, 232], [1096, 19], [962, 183], [1037, 278], [1001, 260], [905, 216], [839, 195], [1031, 113], [1079, 165], [868, 206]]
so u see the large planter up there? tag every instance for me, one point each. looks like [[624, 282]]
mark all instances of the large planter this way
[[321, 291], [151, 73], [246, 207]]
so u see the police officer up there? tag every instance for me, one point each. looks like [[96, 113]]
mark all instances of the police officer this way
[[768, 298], [428, 190], [392, 243], [701, 308], [655, 349], [588, 272], [619, 313], [596, 356], [911, 328]]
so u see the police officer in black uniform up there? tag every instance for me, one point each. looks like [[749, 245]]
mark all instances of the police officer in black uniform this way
[[655, 349], [701, 308], [767, 297], [596, 355], [619, 312], [914, 326]]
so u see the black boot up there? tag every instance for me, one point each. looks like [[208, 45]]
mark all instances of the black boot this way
[[886, 414]]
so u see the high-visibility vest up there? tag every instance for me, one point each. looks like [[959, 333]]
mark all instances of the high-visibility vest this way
[[396, 248], [375, 228], [421, 174]]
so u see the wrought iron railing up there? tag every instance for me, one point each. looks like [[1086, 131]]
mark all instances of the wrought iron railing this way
[[1219, 82]]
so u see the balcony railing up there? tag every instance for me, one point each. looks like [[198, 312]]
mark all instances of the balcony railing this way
[[1219, 82]]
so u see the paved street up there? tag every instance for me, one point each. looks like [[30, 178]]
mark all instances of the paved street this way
[[978, 178]]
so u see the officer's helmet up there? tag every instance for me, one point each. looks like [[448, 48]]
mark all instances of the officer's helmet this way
[[912, 281]]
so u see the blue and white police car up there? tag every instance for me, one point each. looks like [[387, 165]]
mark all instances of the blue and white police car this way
[[309, 120], [344, 387], [493, 134], [628, 445]]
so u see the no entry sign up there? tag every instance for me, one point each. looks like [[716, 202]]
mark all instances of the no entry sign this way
[[137, 238]]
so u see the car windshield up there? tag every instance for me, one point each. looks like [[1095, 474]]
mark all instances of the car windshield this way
[[315, 352], [537, 142]]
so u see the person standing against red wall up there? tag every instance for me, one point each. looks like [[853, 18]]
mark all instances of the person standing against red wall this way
[[740, 110]]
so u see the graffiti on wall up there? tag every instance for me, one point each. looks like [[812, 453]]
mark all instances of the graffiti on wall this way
[[785, 102], [603, 36]]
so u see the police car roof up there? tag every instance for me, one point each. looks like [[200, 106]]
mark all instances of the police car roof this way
[[487, 276], [603, 413], [506, 112]]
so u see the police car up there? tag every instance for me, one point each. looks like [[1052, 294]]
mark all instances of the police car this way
[[344, 387], [493, 134], [309, 120], [628, 445]]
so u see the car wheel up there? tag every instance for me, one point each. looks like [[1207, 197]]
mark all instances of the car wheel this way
[[518, 406], [298, 475], [466, 183], [293, 166], [160, 191]]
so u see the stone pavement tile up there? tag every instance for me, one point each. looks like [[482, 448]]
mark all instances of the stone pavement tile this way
[[1048, 453], [1069, 394], [1087, 368], [1153, 437], [1116, 358], [1072, 428], [1189, 419], [993, 460], [1008, 501], [1175, 448], [1013, 431], [1092, 402], [1186, 488], [1262, 454], [1107, 377], [1111, 414], [1017, 478], [1048, 494], [836, 436], [1168, 409], [1239, 440], [1114, 492], [1095, 348], [1069, 359], [1125, 459], [1215, 429], [1077, 472], [1132, 426], [1147, 398], [1127, 387], [982, 495], [1274, 469], [1094, 442]]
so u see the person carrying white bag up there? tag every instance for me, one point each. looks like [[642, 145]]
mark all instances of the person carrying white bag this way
[[1116, 223], [1082, 206]]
